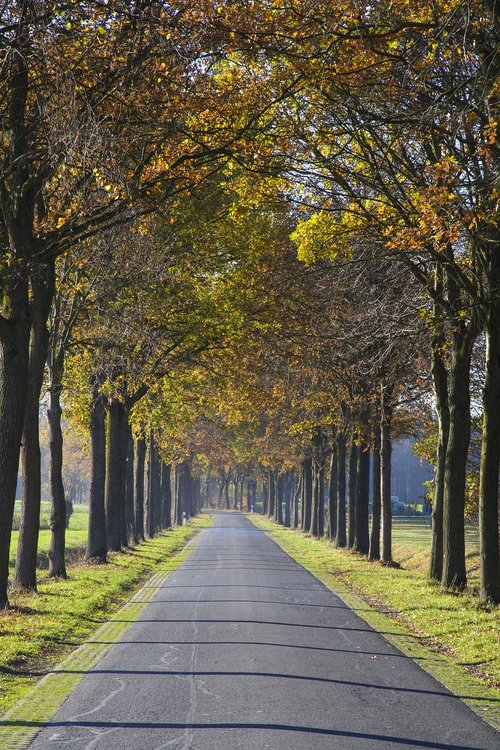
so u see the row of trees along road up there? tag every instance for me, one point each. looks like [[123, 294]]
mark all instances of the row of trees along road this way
[[249, 235]]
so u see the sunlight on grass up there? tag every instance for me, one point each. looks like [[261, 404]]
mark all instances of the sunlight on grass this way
[[43, 627]]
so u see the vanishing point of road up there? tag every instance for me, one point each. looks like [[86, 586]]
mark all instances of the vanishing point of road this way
[[243, 648]]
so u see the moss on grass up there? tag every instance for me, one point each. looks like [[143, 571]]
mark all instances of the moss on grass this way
[[452, 636]]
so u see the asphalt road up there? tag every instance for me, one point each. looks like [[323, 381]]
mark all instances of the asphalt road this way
[[242, 648]]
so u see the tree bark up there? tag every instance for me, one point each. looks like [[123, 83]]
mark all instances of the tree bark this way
[[129, 486], [440, 386], [353, 469], [341, 535], [361, 533], [376, 496], [307, 494], [57, 563], [490, 458], [97, 542], [272, 493], [454, 572], [385, 470], [166, 496], [333, 492], [280, 496], [115, 474], [42, 291], [140, 460]]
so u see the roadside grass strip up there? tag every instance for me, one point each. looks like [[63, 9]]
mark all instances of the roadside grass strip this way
[[452, 637], [41, 701]]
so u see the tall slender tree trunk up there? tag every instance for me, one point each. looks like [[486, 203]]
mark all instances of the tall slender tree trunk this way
[[287, 491], [129, 486], [97, 543], [42, 289], [57, 562], [280, 496], [140, 460], [361, 533], [333, 488], [226, 494], [385, 470], [296, 501], [272, 493], [440, 386], [376, 496], [490, 450], [341, 535], [115, 474], [454, 572], [307, 494], [166, 496], [353, 470]]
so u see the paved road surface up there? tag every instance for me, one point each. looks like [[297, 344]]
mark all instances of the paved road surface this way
[[242, 648]]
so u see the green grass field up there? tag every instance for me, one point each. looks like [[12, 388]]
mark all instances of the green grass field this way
[[456, 625], [76, 535], [42, 628]]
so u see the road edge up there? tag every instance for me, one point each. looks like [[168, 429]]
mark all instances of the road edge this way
[[459, 682], [20, 725]]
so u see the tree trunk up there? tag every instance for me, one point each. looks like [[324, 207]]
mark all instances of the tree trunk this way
[[42, 290], [333, 492], [376, 496], [129, 486], [454, 572], [361, 533], [57, 563], [154, 490], [490, 458], [140, 460], [226, 493], [307, 493], [296, 501], [353, 469], [115, 474], [385, 471], [280, 496], [166, 496], [272, 493], [97, 543], [440, 386], [341, 536], [288, 489]]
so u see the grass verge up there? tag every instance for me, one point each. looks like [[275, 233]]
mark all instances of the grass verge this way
[[451, 636], [43, 628]]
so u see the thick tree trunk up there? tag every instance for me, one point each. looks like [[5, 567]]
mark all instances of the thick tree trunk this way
[[272, 493], [287, 491], [235, 493], [115, 474], [454, 572], [440, 386], [341, 535], [226, 494], [385, 471], [280, 496], [490, 450], [154, 491], [140, 460], [353, 470], [361, 533], [333, 488], [42, 289], [296, 502], [57, 563], [376, 496], [490, 458], [307, 494], [166, 496], [129, 486], [97, 542]]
